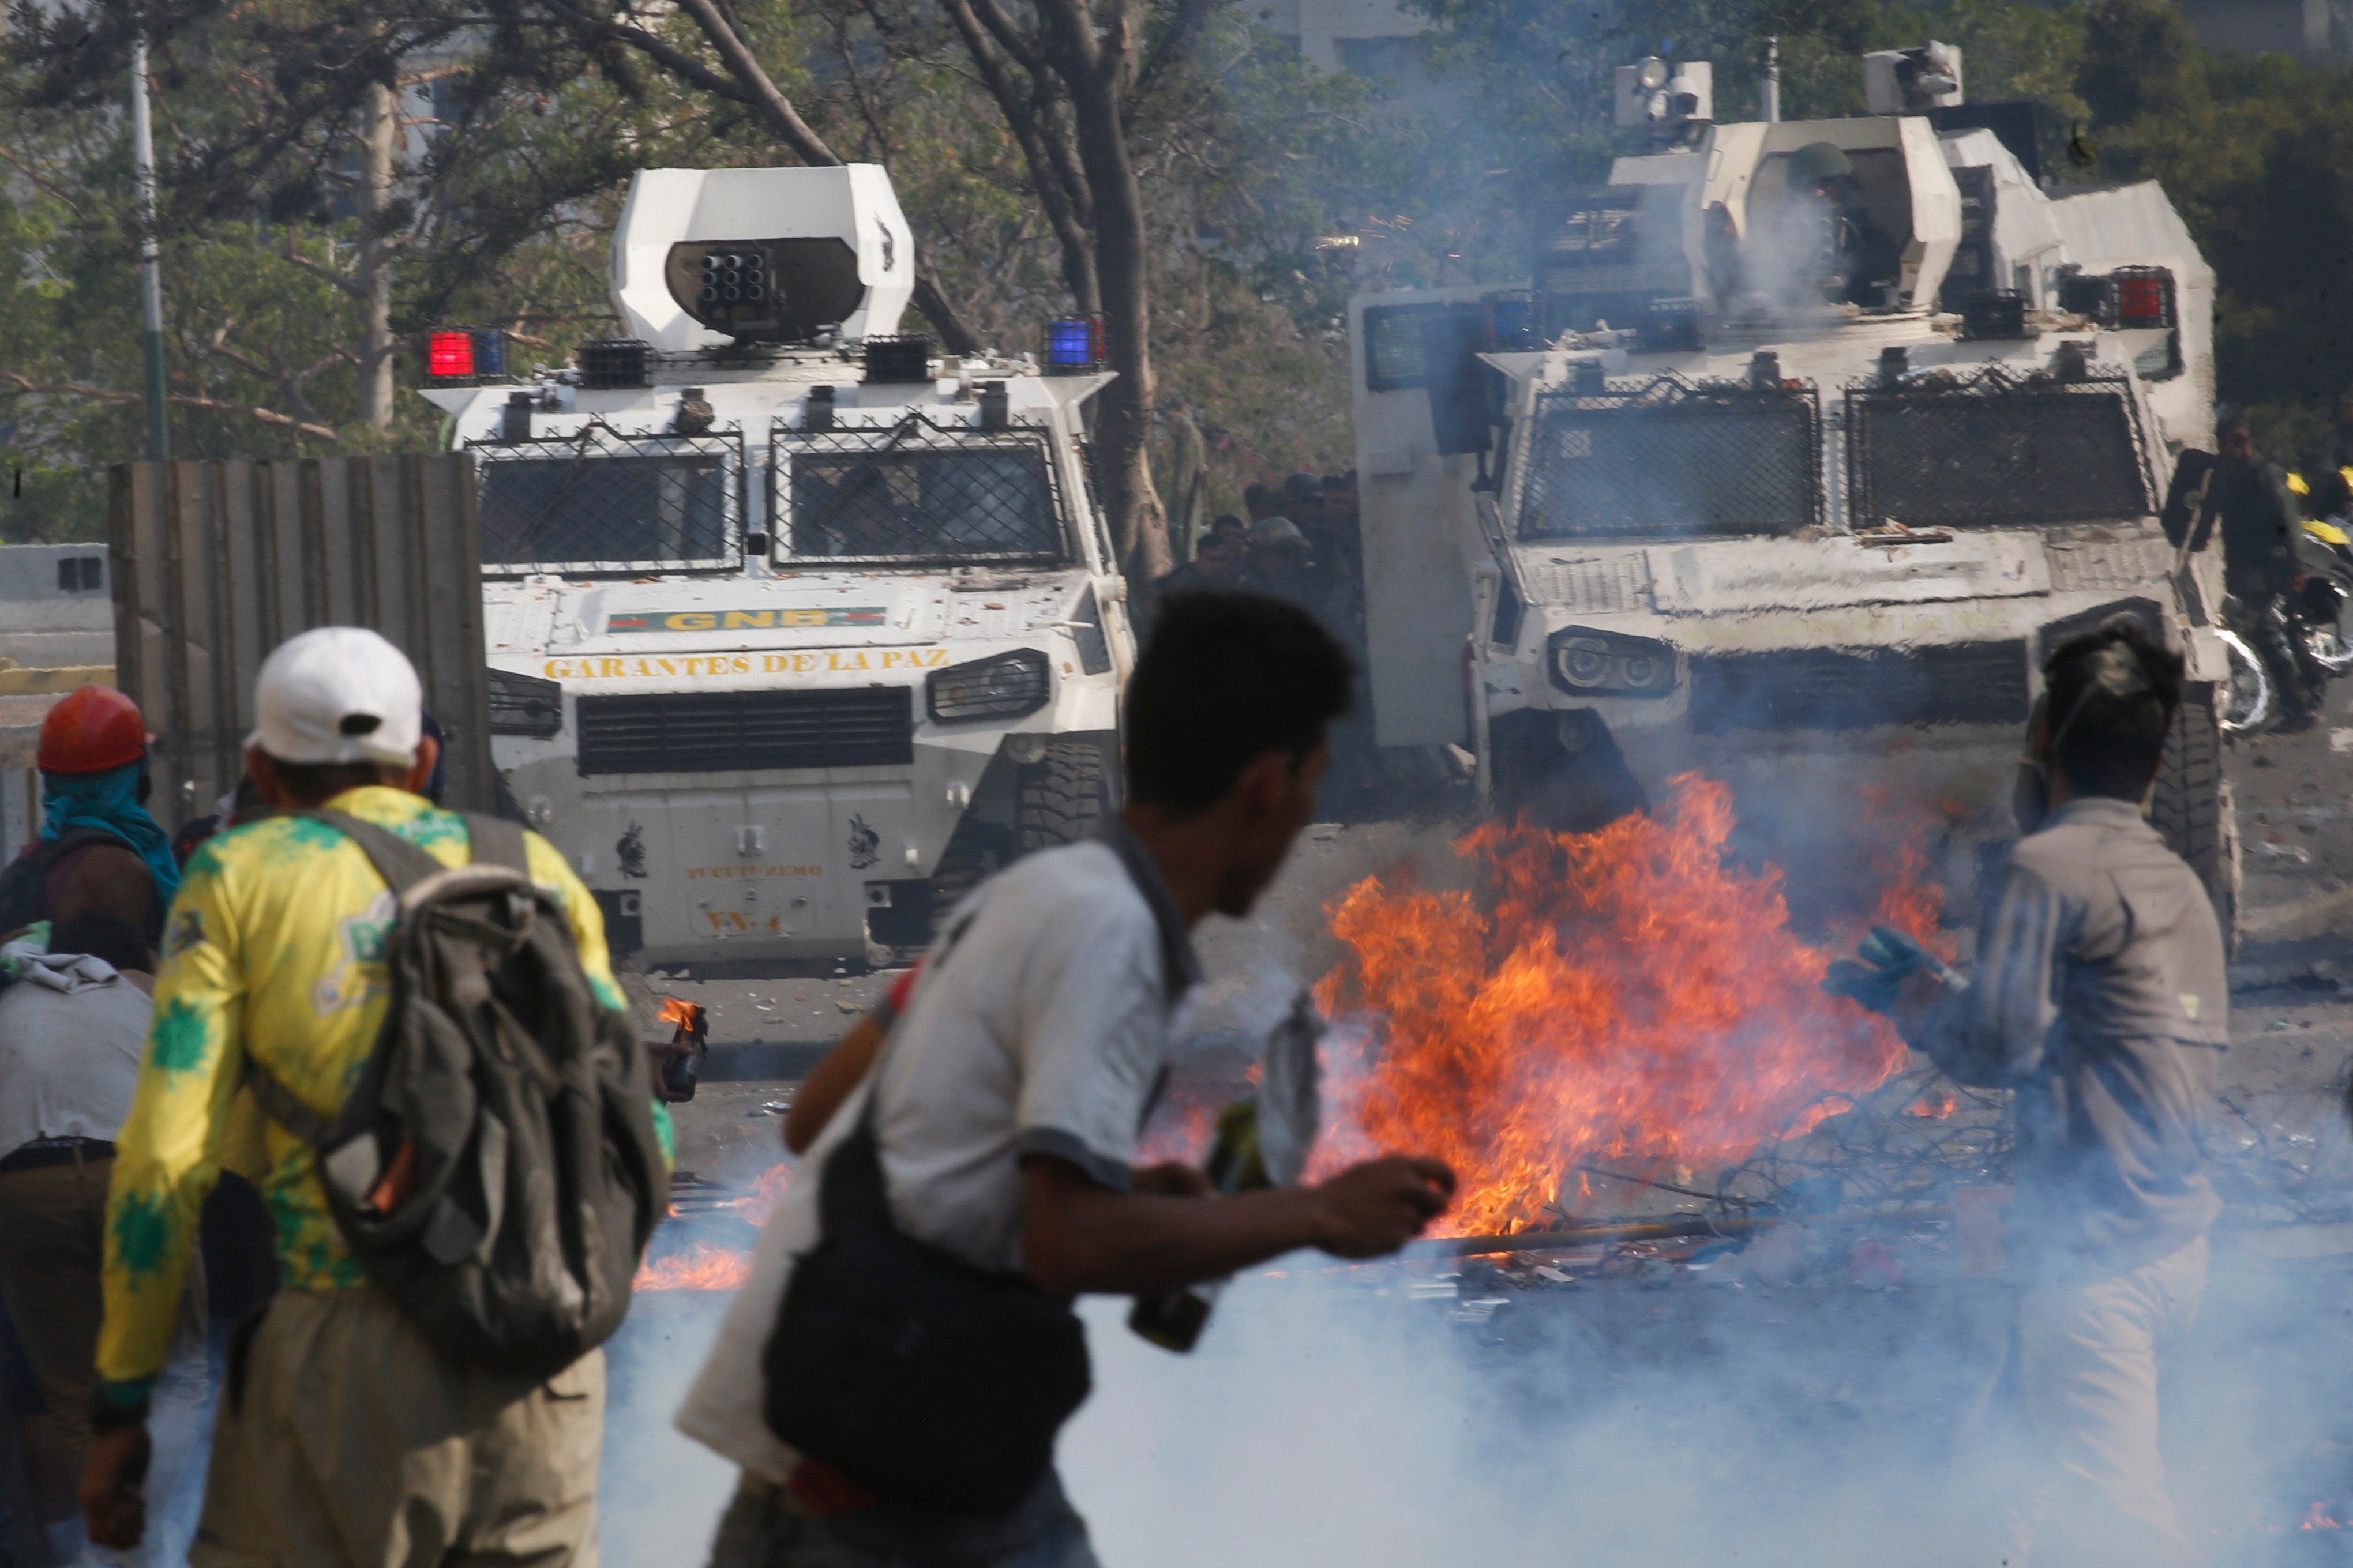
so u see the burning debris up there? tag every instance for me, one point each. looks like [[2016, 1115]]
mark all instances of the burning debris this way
[[701, 1262], [1630, 995], [705, 1266]]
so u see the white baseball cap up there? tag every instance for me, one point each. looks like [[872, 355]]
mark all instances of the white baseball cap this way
[[338, 694]]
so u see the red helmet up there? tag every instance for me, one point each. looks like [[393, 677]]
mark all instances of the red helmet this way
[[95, 729]]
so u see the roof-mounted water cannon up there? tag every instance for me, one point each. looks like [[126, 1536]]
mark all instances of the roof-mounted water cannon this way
[[1669, 101], [704, 258], [1913, 80]]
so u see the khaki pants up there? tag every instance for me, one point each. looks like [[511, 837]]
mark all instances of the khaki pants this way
[[350, 1442], [2078, 1393]]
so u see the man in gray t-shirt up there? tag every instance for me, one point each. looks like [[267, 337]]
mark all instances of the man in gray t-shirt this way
[[2099, 999], [1014, 1082]]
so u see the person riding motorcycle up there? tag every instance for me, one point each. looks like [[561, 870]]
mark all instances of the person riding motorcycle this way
[[2260, 524]]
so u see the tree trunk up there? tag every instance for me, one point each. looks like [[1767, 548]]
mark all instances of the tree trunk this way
[[956, 335], [380, 136], [1123, 269]]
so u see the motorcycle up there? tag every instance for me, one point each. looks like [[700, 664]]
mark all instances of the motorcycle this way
[[2323, 598], [2246, 705], [2311, 623]]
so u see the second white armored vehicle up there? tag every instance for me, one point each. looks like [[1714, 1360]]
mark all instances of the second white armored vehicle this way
[[796, 627], [1807, 443]]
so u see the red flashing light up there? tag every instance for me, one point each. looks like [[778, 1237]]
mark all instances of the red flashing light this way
[[2140, 302], [449, 356]]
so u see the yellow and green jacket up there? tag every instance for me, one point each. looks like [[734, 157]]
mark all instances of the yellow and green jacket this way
[[274, 949]]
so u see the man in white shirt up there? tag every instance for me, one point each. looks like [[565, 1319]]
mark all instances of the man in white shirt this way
[[1012, 1088]]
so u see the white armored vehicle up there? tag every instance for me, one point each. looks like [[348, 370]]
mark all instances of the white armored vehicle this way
[[796, 628], [1806, 444]]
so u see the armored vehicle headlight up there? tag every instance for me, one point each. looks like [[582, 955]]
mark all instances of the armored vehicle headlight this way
[[525, 705], [1584, 662], [1605, 664], [1005, 687]]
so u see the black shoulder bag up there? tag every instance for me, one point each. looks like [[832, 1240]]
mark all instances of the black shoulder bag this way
[[910, 1370]]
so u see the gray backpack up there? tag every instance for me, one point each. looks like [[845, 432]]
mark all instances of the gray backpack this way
[[495, 1169]]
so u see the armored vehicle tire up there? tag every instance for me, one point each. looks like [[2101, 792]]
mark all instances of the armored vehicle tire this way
[[1563, 771], [1062, 795], [972, 858], [2192, 806]]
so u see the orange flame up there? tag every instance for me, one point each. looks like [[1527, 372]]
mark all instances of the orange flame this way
[[761, 1202], [1621, 995], [706, 1267], [680, 1014]]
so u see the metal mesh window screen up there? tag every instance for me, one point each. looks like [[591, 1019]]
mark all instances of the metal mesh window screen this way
[[600, 501], [1995, 448], [1672, 459], [916, 491]]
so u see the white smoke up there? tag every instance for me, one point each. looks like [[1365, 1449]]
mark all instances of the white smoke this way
[[1369, 1416], [658, 1493]]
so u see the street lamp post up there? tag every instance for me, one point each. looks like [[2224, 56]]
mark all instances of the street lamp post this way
[[150, 255]]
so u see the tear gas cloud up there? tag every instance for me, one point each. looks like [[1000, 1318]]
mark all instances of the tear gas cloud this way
[[1813, 1396]]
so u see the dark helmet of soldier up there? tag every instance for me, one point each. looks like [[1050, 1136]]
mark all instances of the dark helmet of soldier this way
[[1816, 162]]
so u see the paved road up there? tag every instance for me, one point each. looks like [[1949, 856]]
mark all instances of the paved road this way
[[2293, 1032]]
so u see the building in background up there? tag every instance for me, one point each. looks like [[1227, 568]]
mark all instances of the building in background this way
[[57, 632], [2308, 29], [1371, 37]]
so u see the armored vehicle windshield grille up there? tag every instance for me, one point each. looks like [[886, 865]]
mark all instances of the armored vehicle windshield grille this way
[[1839, 688], [601, 502], [1993, 449], [916, 491], [1668, 459], [735, 731]]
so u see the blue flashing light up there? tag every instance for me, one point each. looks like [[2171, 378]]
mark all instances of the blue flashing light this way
[[489, 354], [1511, 321], [1073, 343]]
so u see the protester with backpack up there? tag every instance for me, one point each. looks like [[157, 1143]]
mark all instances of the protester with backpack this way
[[893, 1377], [100, 852], [463, 1158]]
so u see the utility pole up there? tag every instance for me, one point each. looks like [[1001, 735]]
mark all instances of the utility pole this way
[[1769, 92], [150, 255]]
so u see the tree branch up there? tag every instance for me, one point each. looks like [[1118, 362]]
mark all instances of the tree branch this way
[[1175, 40], [319, 269], [956, 335], [1010, 38], [676, 61], [746, 68], [1075, 39], [104, 394], [1056, 180]]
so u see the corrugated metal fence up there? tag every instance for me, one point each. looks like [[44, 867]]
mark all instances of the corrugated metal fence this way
[[215, 563]]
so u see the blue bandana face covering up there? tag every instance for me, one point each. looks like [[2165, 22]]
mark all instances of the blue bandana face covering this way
[[111, 801]]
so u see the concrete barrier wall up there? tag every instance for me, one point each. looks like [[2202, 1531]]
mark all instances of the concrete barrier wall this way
[[215, 563]]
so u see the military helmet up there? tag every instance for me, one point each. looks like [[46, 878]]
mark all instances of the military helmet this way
[[1818, 160]]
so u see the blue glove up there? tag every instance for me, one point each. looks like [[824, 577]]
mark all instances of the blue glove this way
[[1888, 958]]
